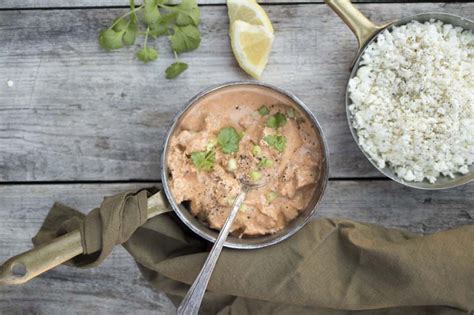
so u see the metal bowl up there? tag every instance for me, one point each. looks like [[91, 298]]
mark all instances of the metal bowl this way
[[366, 33], [250, 242]]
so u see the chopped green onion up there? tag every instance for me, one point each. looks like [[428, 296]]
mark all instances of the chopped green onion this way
[[270, 196], [265, 163], [291, 113], [211, 144], [256, 150], [231, 165], [263, 110], [243, 208], [255, 175]]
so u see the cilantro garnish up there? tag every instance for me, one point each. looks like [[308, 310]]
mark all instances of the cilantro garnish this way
[[263, 110], [265, 163], [180, 22], [204, 160], [175, 69], [228, 139], [185, 38], [276, 142], [276, 121]]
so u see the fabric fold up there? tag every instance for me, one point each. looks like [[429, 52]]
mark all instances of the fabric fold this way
[[101, 229], [331, 266]]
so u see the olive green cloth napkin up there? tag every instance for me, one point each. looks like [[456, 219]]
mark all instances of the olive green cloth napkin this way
[[330, 267]]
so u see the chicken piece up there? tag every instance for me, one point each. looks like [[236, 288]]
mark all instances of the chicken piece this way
[[192, 141]]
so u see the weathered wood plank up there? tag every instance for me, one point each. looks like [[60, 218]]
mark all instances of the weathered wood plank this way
[[14, 4], [78, 113], [116, 287]]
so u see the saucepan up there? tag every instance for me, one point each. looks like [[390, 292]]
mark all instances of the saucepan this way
[[367, 32], [28, 265]]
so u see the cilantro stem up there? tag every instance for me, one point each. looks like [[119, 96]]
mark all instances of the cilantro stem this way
[[146, 37], [175, 55], [133, 17], [125, 15]]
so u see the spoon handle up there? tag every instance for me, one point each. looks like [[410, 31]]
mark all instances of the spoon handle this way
[[192, 301]]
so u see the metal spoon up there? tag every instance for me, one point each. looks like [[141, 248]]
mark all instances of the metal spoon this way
[[192, 301]]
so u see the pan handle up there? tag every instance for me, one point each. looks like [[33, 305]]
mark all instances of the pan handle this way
[[362, 27], [24, 267]]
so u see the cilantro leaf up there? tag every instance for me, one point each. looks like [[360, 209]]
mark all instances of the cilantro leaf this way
[[160, 27], [188, 13], [152, 14], [129, 36], [276, 121], [276, 142], [132, 28], [204, 160], [263, 110], [130, 33], [147, 54], [185, 38], [119, 24], [110, 39], [175, 69], [228, 139]]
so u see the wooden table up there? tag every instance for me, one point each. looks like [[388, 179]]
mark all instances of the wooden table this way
[[79, 123]]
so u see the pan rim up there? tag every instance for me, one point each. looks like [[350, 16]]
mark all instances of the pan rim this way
[[177, 210], [459, 180]]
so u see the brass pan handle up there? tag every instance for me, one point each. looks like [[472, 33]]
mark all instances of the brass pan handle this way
[[362, 27], [28, 265]]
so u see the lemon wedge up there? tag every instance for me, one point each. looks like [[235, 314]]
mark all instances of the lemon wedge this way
[[251, 45], [248, 11]]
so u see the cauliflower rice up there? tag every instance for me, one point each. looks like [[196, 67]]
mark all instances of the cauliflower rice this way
[[413, 100]]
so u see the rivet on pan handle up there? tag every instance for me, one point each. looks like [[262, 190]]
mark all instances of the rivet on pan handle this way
[[26, 266], [362, 27]]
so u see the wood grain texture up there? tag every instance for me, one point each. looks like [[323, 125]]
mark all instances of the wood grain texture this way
[[78, 113], [116, 287], [15, 4]]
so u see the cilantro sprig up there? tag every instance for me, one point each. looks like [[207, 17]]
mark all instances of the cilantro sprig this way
[[276, 121], [229, 139], [204, 160], [179, 22], [277, 142]]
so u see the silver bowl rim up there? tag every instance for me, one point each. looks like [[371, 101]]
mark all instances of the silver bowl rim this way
[[164, 176], [386, 171]]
